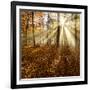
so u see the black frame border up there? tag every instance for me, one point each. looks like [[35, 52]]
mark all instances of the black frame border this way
[[13, 44]]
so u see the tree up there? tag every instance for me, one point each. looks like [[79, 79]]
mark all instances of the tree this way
[[28, 27], [47, 26], [33, 28], [75, 17], [58, 31]]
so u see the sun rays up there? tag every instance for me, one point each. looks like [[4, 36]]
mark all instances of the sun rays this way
[[46, 25]]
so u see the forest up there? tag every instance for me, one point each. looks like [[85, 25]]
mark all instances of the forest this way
[[49, 44]]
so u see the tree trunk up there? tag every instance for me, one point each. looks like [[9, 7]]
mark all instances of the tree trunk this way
[[58, 32], [47, 28], [33, 28], [75, 31]]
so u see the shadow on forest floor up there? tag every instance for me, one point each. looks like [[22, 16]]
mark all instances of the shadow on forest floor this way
[[50, 61]]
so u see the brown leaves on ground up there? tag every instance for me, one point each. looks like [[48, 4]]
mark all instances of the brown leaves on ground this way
[[50, 61]]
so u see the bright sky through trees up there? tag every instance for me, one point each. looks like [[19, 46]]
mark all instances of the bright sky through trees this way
[[45, 27]]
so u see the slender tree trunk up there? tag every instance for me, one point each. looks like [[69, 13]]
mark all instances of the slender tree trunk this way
[[75, 31], [47, 28], [58, 32], [33, 28], [27, 29]]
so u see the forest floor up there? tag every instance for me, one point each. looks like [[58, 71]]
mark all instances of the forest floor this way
[[50, 61]]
